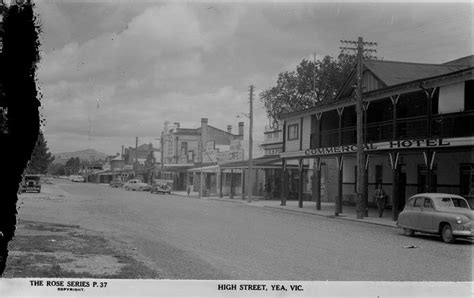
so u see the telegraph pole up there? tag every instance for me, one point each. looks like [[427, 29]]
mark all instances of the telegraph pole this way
[[360, 126], [122, 162], [136, 157], [250, 144]]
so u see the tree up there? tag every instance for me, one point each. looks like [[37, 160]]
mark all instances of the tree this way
[[41, 158], [312, 83], [57, 169], [18, 59], [73, 165]]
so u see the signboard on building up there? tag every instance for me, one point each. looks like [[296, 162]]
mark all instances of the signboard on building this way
[[209, 156], [391, 145], [231, 155]]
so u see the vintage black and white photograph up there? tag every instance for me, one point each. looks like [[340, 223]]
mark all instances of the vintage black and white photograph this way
[[251, 148]]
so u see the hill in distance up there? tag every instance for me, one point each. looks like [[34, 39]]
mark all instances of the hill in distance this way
[[85, 155]]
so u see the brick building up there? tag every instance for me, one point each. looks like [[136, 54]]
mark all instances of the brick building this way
[[193, 148]]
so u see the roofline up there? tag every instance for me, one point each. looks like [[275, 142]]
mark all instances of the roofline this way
[[403, 62], [420, 81], [225, 131], [346, 100]]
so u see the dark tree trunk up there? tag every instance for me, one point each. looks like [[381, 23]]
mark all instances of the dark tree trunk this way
[[17, 77]]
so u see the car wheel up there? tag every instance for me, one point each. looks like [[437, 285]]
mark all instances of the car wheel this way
[[447, 234], [408, 232]]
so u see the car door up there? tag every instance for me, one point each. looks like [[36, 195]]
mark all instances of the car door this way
[[417, 213], [428, 216]]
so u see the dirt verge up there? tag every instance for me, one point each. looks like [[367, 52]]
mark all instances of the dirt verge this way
[[42, 249]]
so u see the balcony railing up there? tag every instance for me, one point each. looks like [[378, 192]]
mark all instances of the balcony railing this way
[[453, 125], [412, 128], [330, 138], [349, 135], [443, 126], [380, 131]]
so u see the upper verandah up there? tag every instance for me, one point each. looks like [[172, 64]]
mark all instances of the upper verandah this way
[[382, 76]]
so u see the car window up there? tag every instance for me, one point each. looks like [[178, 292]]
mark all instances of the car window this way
[[418, 202], [445, 202], [428, 203], [460, 203]]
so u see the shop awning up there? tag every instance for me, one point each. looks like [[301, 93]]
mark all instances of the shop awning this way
[[265, 162], [207, 169]]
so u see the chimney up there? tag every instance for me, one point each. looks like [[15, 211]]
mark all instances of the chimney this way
[[241, 129], [229, 128], [176, 124], [203, 132]]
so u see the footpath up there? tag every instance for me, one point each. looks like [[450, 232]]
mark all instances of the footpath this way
[[309, 207]]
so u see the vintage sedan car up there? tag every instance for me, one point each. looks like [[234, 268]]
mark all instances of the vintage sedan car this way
[[447, 215], [30, 183], [77, 178], [161, 188], [116, 183], [136, 184]]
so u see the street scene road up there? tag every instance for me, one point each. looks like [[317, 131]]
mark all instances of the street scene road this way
[[180, 237]]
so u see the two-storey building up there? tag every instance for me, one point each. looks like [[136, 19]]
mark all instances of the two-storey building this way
[[187, 151], [418, 134]]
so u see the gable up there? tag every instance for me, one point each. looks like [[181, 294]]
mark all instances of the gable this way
[[370, 82]]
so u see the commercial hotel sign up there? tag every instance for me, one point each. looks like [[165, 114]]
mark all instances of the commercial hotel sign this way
[[391, 145]]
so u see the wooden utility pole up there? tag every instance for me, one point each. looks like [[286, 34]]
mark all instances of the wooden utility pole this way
[[250, 145], [122, 162], [360, 124], [136, 157]]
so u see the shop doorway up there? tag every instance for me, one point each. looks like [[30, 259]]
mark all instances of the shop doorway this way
[[423, 179]]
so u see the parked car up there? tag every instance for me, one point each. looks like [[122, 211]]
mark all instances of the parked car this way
[[447, 215], [161, 188], [30, 183], [77, 178], [136, 184], [116, 183]]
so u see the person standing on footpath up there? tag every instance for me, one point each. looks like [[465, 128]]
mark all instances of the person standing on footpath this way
[[379, 197]]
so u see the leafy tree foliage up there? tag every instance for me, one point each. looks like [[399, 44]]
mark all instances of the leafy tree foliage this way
[[312, 83], [41, 158], [57, 169], [73, 165]]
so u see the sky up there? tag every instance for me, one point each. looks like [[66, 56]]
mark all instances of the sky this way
[[114, 70]]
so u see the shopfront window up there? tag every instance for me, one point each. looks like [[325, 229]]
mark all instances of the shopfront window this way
[[467, 180]]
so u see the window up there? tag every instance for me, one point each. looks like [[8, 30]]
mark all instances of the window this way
[[418, 202], [293, 132], [427, 203], [460, 203], [184, 148]]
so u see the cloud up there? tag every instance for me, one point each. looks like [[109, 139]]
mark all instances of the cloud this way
[[157, 38], [149, 62]]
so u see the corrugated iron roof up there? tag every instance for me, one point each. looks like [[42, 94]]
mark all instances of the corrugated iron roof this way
[[394, 72], [184, 131]]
